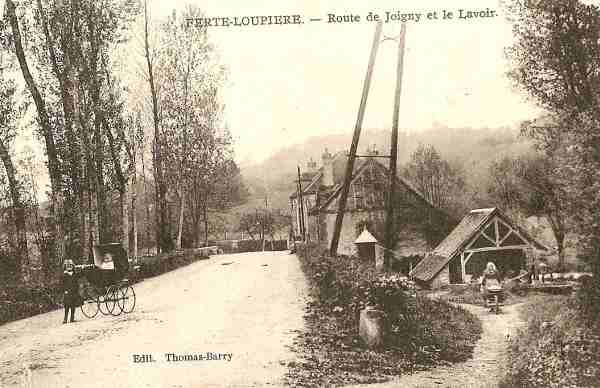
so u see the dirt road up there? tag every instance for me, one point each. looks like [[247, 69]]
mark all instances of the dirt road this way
[[484, 370], [239, 311]]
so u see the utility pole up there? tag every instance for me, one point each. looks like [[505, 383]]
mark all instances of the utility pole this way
[[355, 138], [301, 207], [389, 223]]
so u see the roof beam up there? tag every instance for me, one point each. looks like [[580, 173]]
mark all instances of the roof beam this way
[[498, 248]]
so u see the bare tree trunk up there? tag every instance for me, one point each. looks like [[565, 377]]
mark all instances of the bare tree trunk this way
[[147, 203], [199, 236], [101, 209], [133, 191], [85, 235], [559, 234], [54, 170], [22, 254], [181, 212], [205, 213], [68, 84], [134, 216], [93, 217], [162, 236], [84, 210], [124, 201]]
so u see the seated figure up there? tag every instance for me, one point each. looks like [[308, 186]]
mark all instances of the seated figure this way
[[103, 274], [491, 281], [107, 262]]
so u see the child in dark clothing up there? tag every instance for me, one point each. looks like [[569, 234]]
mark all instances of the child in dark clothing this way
[[70, 287]]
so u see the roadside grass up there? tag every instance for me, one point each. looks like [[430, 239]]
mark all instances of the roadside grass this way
[[556, 348], [422, 333]]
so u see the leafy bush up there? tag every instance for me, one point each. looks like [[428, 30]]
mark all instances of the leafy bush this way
[[156, 265], [421, 332], [20, 301], [556, 349], [588, 298]]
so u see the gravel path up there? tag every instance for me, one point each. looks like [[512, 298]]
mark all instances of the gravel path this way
[[246, 307], [484, 370]]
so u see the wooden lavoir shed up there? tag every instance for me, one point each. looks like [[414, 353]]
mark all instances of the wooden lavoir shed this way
[[483, 235]]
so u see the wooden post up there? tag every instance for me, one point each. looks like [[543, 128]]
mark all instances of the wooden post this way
[[301, 203], [355, 138], [389, 223], [462, 267]]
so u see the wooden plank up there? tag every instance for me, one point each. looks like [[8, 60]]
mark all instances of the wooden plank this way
[[468, 258], [515, 231], [496, 231], [476, 238], [493, 241], [507, 226], [463, 266], [509, 247]]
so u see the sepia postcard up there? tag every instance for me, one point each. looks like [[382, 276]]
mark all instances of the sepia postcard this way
[[299, 193]]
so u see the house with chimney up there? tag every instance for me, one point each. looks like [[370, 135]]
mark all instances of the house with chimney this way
[[420, 224]]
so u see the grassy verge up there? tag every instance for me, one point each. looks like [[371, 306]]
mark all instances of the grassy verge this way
[[556, 348], [421, 332]]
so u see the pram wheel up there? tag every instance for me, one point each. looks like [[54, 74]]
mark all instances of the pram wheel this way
[[107, 302], [127, 299]]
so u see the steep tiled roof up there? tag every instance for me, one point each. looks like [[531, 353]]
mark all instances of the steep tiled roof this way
[[359, 168]]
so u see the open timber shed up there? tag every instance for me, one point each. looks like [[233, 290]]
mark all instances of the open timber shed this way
[[483, 235]]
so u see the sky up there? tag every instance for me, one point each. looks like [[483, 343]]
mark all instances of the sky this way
[[287, 83]]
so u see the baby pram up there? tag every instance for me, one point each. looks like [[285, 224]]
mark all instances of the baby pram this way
[[108, 289]]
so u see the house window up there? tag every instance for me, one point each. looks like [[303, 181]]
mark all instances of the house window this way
[[358, 196]]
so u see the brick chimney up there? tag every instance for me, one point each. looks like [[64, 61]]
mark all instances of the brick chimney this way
[[327, 168], [311, 166], [372, 150]]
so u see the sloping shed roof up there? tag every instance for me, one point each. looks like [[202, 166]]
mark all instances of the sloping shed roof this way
[[429, 267], [458, 238], [365, 237], [465, 229]]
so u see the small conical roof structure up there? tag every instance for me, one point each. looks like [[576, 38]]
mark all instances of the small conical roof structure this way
[[365, 237]]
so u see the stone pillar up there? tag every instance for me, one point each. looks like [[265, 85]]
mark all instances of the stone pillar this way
[[372, 327]]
